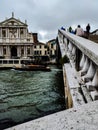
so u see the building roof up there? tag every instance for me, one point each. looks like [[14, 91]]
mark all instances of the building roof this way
[[94, 32], [39, 43], [12, 22]]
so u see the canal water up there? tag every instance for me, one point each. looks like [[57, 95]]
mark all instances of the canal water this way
[[28, 95]]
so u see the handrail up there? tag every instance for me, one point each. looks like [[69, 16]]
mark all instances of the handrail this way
[[89, 48]]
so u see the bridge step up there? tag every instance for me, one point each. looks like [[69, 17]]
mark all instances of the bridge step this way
[[94, 95]]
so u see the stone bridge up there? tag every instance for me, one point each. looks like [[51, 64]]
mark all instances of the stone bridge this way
[[81, 73]]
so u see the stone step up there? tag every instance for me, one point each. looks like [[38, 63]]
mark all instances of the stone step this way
[[94, 95]]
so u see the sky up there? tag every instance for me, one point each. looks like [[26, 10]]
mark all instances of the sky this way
[[45, 17]]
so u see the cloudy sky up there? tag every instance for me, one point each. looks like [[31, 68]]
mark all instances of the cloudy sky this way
[[45, 17]]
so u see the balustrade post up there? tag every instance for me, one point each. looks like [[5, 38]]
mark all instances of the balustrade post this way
[[82, 61], [85, 67], [94, 94], [90, 73], [77, 60], [70, 46], [95, 79]]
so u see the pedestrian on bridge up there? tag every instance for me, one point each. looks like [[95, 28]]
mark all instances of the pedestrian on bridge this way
[[88, 30], [79, 31]]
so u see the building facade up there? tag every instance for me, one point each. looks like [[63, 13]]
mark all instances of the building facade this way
[[17, 42], [51, 49]]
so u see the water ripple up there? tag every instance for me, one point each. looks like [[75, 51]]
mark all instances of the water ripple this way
[[27, 95]]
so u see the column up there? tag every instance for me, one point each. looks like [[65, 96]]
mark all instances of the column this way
[[31, 50], [1, 32], [18, 51], [19, 32], [24, 51], [6, 32], [7, 52]]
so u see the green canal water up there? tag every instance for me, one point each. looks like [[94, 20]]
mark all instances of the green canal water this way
[[28, 95]]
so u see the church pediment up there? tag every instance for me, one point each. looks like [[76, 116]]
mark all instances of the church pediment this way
[[12, 22]]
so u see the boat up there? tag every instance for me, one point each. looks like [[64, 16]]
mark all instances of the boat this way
[[31, 67]]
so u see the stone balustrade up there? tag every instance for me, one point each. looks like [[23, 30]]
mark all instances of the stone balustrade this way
[[83, 55]]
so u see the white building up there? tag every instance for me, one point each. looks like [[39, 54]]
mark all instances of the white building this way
[[51, 49], [17, 42]]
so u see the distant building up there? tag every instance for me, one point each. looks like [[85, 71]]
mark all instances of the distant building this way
[[17, 42], [51, 49], [95, 32], [94, 36]]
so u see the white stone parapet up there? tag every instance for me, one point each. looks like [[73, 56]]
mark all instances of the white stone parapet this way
[[85, 56], [84, 117]]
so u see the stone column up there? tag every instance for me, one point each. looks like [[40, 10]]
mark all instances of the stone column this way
[[1, 32], [31, 50], [8, 52], [26, 33], [19, 32], [6, 32], [16, 33], [18, 51], [24, 51], [1, 50]]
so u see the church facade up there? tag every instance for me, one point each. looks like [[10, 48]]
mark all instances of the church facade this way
[[17, 42]]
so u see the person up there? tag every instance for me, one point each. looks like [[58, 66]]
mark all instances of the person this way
[[63, 28], [87, 30], [70, 29], [79, 31]]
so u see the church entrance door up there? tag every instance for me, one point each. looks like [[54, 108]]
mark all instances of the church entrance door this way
[[13, 52]]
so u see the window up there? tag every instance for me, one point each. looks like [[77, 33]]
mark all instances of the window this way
[[21, 31], [40, 52], [28, 39], [3, 33], [45, 46], [22, 51], [34, 46], [51, 45], [45, 52], [28, 50]]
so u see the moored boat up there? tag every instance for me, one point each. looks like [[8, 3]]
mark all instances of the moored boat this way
[[32, 67]]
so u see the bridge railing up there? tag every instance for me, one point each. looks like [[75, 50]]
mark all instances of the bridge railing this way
[[83, 54]]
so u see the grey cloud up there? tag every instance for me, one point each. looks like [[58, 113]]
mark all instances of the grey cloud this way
[[47, 16]]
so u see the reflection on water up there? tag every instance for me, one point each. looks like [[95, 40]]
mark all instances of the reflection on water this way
[[28, 95]]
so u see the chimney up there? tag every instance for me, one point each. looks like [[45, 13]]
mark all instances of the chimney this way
[[35, 38]]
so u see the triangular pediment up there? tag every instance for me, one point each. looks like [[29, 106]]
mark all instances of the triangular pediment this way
[[12, 22]]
